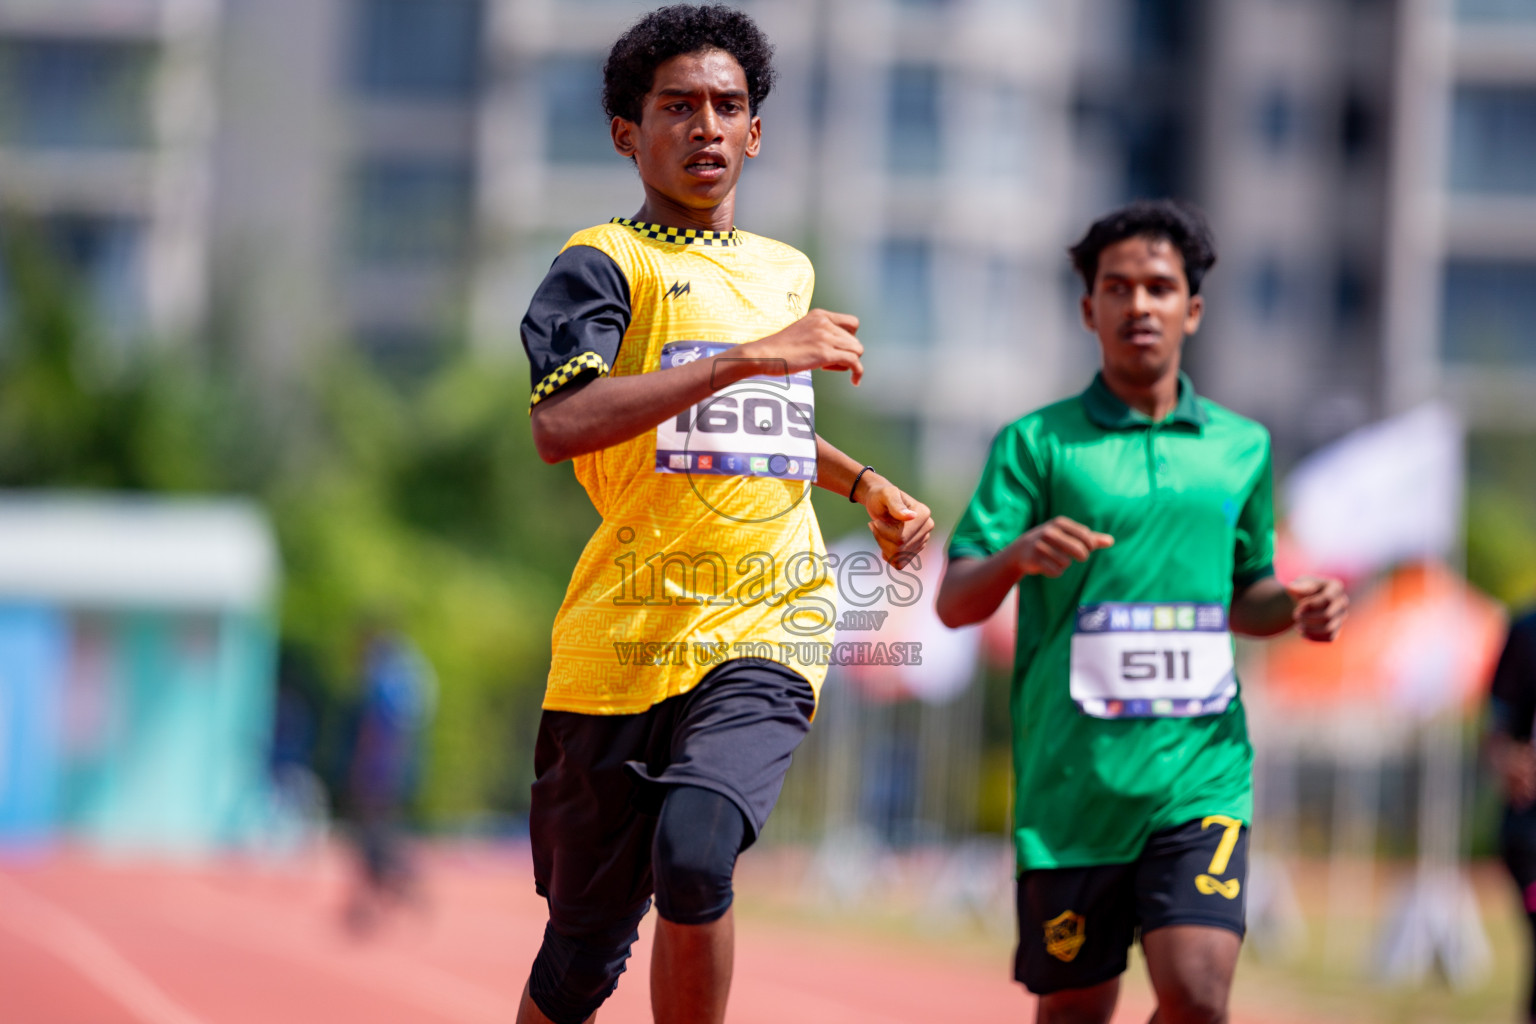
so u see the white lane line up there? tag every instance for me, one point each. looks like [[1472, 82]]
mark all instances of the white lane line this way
[[37, 920], [428, 987]]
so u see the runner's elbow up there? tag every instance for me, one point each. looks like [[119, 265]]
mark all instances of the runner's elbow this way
[[950, 618], [549, 439], [952, 610]]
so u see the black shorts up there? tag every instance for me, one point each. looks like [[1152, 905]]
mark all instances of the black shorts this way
[[1076, 925], [600, 780]]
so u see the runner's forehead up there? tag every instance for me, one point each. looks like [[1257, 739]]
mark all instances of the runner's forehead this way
[[1141, 257], [707, 71]]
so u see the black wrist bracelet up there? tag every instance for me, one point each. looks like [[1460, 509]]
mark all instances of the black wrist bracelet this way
[[855, 488]]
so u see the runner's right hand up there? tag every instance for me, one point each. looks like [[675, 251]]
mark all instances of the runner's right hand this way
[[820, 340], [1050, 548]]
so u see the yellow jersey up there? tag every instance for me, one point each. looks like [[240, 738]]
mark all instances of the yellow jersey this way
[[709, 549]]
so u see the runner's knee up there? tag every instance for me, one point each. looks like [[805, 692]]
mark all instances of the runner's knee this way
[[1203, 1002], [693, 857], [575, 972]]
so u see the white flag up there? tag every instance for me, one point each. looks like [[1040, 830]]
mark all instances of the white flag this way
[[1384, 494]]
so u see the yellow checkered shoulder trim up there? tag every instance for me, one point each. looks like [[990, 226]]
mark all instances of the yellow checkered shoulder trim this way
[[566, 372], [681, 236]]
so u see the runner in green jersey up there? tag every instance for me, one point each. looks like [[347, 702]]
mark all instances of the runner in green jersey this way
[[1136, 521]]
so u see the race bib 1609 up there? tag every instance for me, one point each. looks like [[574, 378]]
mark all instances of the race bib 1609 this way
[[1152, 660], [761, 426]]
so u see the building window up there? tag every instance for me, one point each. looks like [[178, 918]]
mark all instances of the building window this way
[[1011, 113], [914, 119], [411, 212], [1351, 293], [402, 353], [1495, 10], [575, 127], [1267, 289], [906, 291], [1493, 139], [74, 94], [101, 257], [419, 49], [818, 95], [1156, 153], [1277, 119], [1003, 311], [1357, 127], [1160, 29], [1489, 309]]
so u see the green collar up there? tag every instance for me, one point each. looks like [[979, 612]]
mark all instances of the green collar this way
[[1106, 409]]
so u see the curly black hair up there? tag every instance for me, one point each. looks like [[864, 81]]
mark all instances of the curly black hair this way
[[1173, 220], [667, 32]]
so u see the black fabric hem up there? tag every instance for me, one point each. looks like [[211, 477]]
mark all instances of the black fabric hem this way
[[1241, 931], [1047, 989], [657, 784], [707, 917]]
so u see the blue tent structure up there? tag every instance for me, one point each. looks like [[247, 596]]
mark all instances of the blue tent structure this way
[[137, 672]]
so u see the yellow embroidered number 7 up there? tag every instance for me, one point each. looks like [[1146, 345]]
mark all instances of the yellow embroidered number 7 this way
[[1228, 841]]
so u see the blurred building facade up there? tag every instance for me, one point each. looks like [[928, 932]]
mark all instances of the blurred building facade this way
[[106, 136], [1371, 167], [400, 172], [1462, 310]]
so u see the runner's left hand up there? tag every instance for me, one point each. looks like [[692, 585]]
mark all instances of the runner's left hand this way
[[900, 523], [1320, 606]]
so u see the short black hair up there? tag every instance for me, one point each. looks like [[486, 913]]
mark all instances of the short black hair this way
[[1174, 220], [667, 32]]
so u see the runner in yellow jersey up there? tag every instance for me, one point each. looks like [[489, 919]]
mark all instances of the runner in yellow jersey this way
[[671, 361]]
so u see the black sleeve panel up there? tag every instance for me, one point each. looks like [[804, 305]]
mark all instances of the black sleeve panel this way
[[1513, 702], [576, 320]]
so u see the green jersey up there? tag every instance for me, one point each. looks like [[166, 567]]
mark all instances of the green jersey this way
[[1126, 714]]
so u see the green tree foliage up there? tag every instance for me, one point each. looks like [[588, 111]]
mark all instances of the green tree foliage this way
[[1501, 517], [429, 507]]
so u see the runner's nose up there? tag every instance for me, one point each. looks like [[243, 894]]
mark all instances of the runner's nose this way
[[706, 126]]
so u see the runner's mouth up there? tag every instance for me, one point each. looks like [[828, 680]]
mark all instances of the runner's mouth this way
[[706, 166]]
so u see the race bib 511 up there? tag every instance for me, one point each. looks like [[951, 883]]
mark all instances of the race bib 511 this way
[[761, 426], [1152, 660]]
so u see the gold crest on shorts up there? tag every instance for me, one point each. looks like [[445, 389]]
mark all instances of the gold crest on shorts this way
[[1065, 934]]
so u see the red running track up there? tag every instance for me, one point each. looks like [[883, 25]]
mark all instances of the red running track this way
[[83, 941]]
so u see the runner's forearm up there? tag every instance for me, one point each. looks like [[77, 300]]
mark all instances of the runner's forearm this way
[[836, 470], [611, 410], [973, 588], [1262, 609]]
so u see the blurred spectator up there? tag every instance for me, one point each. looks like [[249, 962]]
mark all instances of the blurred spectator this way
[[397, 699], [302, 808], [1512, 714]]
